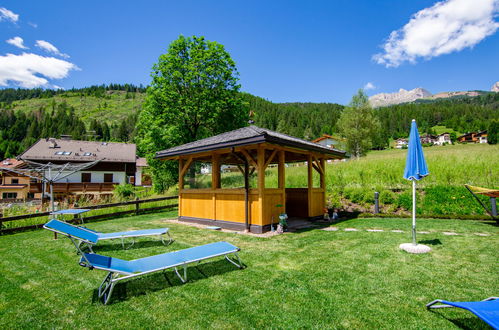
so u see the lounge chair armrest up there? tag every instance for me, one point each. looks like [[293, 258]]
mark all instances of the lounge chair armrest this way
[[432, 304]]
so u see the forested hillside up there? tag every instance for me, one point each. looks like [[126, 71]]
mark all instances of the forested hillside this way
[[462, 114], [105, 113], [310, 120], [305, 120], [110, 112], [105, 103]]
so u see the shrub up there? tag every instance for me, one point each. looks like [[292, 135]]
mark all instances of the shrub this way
[[124, 192], [404, 200], [387, 197]]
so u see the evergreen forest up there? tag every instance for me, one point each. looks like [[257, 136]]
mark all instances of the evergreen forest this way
[[59, 116]]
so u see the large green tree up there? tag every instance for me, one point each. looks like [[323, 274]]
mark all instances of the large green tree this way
[[359, 125], [194, 94]]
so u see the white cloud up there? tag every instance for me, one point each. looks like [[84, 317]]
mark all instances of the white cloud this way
[[7, 15], [48, 47], [369, 86], [31, 70], [446, 27], [34, 25], [18, 42]]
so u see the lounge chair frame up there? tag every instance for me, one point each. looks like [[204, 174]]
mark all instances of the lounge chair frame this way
[[432, 304], [83, 244], [478, 312], [115, 275]]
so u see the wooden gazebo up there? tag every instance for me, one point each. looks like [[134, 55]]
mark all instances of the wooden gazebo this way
[[250, 149]]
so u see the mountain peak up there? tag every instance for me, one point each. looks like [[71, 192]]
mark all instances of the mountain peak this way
[[402, 96]]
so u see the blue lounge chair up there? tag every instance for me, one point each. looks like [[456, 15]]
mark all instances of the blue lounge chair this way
[[119, 270], [487, 310], [85, 238]]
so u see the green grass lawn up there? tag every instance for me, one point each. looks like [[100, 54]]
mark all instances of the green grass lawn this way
[[312, 278]]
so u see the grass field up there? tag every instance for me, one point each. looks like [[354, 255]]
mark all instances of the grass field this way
[[308, 279]]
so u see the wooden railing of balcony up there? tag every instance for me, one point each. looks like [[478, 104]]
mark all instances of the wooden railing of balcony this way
[[76, 187]]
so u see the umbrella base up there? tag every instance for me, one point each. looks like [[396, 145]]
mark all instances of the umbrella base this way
[[418, 248]]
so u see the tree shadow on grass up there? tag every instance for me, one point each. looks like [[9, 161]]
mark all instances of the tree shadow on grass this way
[[158, 281]]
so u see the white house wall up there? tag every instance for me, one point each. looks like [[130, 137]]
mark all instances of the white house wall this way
[[138, 176], [97, 177]]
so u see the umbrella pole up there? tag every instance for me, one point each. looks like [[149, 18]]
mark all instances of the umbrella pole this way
[[414, 212]]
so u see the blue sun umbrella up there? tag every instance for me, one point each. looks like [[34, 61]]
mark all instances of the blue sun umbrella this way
[[415, 169]]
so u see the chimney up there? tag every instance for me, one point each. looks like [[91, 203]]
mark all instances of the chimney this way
[[52, 143]]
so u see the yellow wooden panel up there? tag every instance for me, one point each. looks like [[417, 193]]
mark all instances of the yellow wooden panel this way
[[230, 207], [197, 206], [317, 202], [272, 198]]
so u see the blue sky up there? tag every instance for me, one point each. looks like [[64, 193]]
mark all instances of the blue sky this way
[[285, 51]]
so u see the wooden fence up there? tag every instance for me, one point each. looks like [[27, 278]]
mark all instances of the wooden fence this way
[[136, 210]]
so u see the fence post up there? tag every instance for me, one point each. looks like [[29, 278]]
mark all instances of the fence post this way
[[376, 202], [137, 206]]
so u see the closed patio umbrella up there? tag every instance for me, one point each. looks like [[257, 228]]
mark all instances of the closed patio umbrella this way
[[415, 169]]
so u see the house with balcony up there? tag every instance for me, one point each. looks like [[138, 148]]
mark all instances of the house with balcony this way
[[428, 139], [116, 164], [13, 186], [467, 138], [482, 137], [443, 139]]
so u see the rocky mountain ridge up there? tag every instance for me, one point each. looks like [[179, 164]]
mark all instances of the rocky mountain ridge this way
[[406, 96]]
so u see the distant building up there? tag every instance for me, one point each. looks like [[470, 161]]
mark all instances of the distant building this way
[[473, 137], [117, 164], [442, 139], [141, 179], [401, 143], [482, 137], [332, 142], [467, 138], [428, 139], [13, 186]]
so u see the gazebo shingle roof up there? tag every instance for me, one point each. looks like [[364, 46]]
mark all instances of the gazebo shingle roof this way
[[246, 136]]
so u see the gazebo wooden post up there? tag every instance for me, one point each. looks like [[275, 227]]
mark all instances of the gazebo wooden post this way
[[323, 178], [282, 178], [180, 176], [215, 181], [180, 184], [246, 195], [310, 183], [260, 160]]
